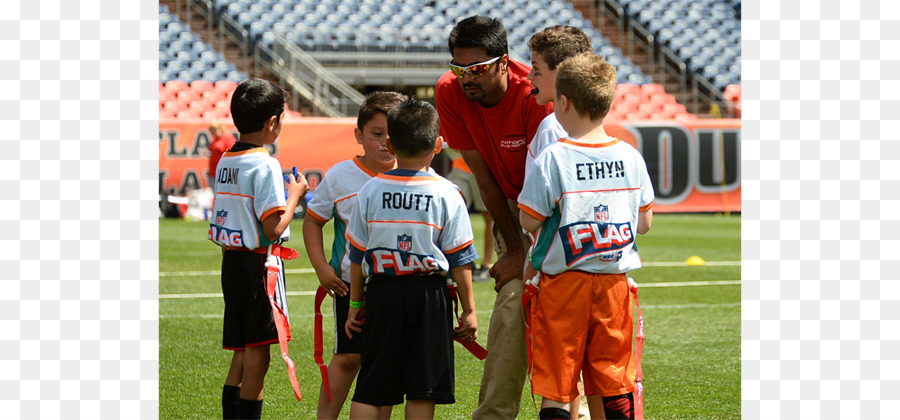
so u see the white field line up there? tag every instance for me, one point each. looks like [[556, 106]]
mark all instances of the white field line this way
[[313, 293], [310, 270], [329, 314]]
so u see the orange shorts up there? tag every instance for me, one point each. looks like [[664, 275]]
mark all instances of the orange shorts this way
[[582, 322]]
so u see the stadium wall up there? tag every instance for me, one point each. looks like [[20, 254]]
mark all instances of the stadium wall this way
[[694, 166]]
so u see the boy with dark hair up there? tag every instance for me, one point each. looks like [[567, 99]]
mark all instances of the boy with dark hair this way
[[251, 219], [334, 198], [585, 198], [409, 228], [486, 115]]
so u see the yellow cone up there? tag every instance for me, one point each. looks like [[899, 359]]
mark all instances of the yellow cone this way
[[694, 260]]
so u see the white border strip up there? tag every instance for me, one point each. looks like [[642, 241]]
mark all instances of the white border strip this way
[[310, 270], [313, 293]]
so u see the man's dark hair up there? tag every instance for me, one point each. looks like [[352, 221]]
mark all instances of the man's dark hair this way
[[479, 31], [254, 101], [413, 128], [375, 103], [557, 43]]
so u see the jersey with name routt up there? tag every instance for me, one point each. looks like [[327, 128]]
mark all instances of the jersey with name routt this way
[[409, 223]]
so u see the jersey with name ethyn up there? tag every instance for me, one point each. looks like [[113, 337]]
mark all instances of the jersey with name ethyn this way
[[249, 188], [589, 197], [409, 223]]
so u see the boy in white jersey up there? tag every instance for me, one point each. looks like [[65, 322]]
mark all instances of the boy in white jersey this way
[[251, 214], [585, 197], [409, 228], [549, 48], [334, 198]]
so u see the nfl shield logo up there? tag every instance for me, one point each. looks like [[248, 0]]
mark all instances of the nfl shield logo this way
[[404, 242], [220, 217], [601, 213]]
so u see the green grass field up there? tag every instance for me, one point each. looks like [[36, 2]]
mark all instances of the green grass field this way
[[691, 357]]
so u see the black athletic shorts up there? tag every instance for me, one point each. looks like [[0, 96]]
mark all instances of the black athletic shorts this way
[[248, 314], [407, 342], [342, 343]]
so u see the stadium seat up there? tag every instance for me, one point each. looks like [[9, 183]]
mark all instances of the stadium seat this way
[[188, 113], [649, 108], [662, 98], [200, 86], [226, 85], [176, 86], [733, 92], [165, 114], [174, 106], [215, 114], [648, 89]]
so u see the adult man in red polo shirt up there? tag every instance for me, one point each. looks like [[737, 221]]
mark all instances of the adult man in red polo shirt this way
[[486, 113]]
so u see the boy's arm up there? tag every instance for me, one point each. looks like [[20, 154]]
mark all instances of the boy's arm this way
[[509, 265], [468, 329], [531, 223], [278, 222], [315, 249], [355, 315], [644, 220]]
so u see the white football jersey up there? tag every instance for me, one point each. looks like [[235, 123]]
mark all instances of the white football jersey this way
[[249, 188], [407, 222], [548, 132], [589, 197], [335, 198]]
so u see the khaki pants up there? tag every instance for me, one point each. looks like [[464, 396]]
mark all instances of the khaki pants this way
[[506, 365]]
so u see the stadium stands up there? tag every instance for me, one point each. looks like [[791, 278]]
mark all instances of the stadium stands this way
[[705, 34], [416, 26], [184, 56]]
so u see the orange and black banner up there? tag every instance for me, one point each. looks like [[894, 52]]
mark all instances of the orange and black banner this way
[[694, 166]]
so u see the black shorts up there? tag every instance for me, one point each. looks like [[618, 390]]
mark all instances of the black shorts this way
[[248, 314], [407, 342], [342, 343]]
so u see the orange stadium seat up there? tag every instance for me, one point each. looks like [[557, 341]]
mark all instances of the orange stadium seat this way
[[650, 107], [226, 85], [188, 113], [174, 105], [663, 98], [223, 104], [201, 86], [200, 106], [216, 114], [165, 114], [674, 108], [165, 96], [176, 86], [624, 107], [733, 92], [187, 95], [213, 95], [637, 115], [685, 117], [648, 89]]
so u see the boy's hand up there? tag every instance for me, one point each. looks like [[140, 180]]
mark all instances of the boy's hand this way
[[530, 272], [296, 183], [354, 321], [468, 328], [508, 267], [332, 283]]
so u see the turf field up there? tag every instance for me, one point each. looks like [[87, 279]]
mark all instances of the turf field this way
[[691, 356]]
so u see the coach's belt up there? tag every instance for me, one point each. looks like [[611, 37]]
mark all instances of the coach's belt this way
[[277, 250]]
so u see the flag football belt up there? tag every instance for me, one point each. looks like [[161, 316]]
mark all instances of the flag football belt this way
[[281, 321], [532, 289], [318, 345], [472, 347], [277, 250]]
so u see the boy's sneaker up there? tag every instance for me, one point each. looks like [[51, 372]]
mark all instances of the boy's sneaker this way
[[481, 274]]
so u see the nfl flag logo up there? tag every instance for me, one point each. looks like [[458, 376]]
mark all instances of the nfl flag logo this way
[[601, 213], [220, 217], [404, 242]]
